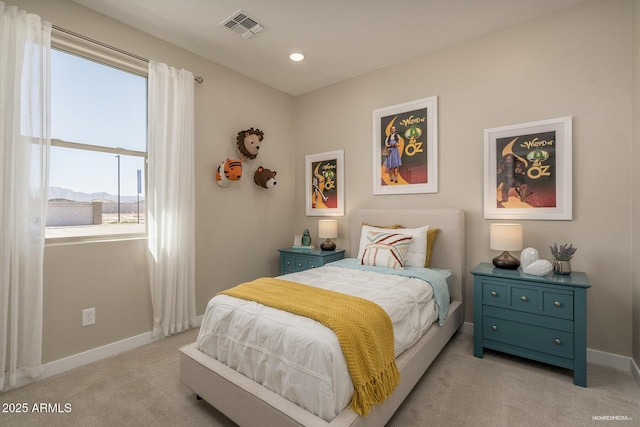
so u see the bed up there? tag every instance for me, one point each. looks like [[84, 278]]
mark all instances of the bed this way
[[245, 401]]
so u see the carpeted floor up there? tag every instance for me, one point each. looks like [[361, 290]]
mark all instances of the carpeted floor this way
[[142, 388]]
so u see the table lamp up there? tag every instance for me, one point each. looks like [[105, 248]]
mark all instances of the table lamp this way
[[506, 237], [328, 229]]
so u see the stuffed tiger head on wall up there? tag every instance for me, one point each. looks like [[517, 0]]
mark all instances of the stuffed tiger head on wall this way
[[248, 142], [229, 170]]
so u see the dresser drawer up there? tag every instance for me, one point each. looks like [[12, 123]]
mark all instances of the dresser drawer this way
[[494, 294], [525, 299], [534, 319], [558, 305], [550, 341]]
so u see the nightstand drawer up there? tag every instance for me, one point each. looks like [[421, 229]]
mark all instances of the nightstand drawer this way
[[494, 294], [531, 299], [551, 341], [534, 319], [293, 261], [558, 305], [312, 263], [288, 263], [525, 299], [299, 264]]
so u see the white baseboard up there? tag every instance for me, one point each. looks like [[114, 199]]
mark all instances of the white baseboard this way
[[609, 359], [77, 360], [467, 328], [593, 356]]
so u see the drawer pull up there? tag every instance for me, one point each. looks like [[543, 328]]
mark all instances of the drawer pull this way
[[312, 266], [494, 328], [494, 294], [523, 298], [557, 341], [557, 303], [288, 262], [300, 265]]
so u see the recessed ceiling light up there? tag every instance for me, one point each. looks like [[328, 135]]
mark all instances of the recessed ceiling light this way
[[296, 56]]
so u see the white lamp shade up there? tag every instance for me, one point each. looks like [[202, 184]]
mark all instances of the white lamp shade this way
[[328, 228], [505, 237]]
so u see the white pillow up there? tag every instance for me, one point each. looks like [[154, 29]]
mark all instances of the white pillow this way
[[386, 249], [417, 254]]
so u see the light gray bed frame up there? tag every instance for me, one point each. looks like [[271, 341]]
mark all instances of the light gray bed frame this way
[[248, 403]]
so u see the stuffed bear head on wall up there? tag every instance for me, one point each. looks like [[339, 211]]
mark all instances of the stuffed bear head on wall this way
[[265, 178]]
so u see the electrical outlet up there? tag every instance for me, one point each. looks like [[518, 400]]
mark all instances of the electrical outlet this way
[[88, 316]]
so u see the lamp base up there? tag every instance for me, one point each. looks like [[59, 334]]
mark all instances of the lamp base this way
[[328, 245], [506, 261]]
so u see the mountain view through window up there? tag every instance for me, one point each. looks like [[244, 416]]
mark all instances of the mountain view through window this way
[[98, 153]]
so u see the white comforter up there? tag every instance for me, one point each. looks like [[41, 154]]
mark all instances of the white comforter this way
[[299, 358]]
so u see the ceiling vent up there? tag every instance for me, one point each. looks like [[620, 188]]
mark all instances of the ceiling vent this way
[[243, 24]]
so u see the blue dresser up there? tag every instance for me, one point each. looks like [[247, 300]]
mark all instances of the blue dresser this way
[[540, 318], [293, 260]]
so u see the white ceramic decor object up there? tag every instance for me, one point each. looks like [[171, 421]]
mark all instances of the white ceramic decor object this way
[[531, 264]]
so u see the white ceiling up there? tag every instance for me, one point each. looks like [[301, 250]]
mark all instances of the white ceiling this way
[[340, 38]]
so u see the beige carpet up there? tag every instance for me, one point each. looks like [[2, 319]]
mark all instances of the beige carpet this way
[[142, 388]]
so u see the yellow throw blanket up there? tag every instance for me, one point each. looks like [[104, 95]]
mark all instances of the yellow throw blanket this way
[[363, 328]]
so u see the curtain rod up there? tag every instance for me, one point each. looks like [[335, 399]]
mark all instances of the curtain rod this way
[[198, 79]]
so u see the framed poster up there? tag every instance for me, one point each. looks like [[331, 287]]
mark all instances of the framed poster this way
[[405, 148], [528, 171], [325, 184]]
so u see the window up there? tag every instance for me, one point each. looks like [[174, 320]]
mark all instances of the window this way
[[98, 148]]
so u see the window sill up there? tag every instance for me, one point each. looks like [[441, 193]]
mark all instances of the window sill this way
[[94, 233]]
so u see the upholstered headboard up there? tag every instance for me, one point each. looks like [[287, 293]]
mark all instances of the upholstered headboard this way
[[449, 248]]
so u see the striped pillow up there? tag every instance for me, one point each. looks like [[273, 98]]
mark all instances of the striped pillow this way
[[386, 249]]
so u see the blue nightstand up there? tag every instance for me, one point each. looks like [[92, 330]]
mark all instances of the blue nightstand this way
[[293, 260], [540, 318]]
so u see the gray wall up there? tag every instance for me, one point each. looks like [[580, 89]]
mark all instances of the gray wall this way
[[574, 62]]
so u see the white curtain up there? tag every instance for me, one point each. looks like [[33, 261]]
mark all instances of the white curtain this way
[[170, 198], [25, 51]]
